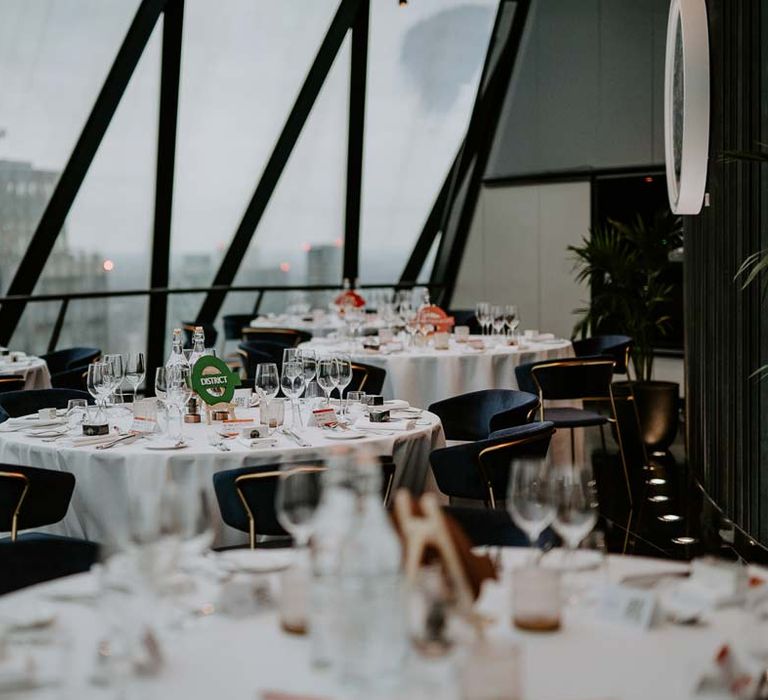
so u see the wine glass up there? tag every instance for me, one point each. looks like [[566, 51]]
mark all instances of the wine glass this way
[[298, 494], [530, 500], [292, 383], [327, 376], [99, 381], [498, 319], [344, 375], [117, 366], [135, 370], [267, 379], [482, 311], [309, 364], [511, 319], [178, 391], [575, 497], [290, 354]]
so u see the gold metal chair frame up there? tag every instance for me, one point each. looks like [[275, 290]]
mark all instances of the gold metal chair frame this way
[[613, 418], [484, 472], [366, 375], [16, 476]]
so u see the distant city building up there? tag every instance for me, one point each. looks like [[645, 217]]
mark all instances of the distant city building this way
[[323, 267], [24, 193]]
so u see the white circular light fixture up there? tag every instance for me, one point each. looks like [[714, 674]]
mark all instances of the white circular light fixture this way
[[686, 105]]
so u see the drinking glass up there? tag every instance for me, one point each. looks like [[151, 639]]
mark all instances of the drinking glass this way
[[290, 354], [411, 324], [530, 501], [344, 375], [292, 383], [117, 366], [267, 379], [178, 391], [575, 498], [498, 319], [161, 383], [298, 495], [76, 410], [356, 405], [135, 370], [327, 376], [309, 365], [99, 381], [511, 319], [482, 311]]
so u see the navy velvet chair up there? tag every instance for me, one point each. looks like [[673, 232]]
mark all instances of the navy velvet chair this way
[[246, 498], [27, 562], [494, 528], [287, 337], [466, 317], [11, 382], [480, 470], [70, 358], [366, 378], [617, 347], [188, 328], [22, 403], [252, 354], [71, 379], [474, 416]]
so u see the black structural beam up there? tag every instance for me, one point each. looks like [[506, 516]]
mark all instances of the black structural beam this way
[[342, 21], [52, 220], [173, 23], [358, 72], [477, 148]]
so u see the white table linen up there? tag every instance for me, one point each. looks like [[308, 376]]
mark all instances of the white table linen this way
[[424, 376], [33, 370], [223, 656], [320, 327], [99, 511]]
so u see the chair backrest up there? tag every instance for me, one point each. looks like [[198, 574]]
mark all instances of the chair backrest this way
[[11, 382], [617, 347], [366, 378], [22, 403], [69, 358], [287, 337], [480, 470], [251, 354], [32, 497], [234, 324], [473, 416], [246, 496], [466, 317], [71, 379], [568, 378], [28, 562], [490, 528], [188, 328]]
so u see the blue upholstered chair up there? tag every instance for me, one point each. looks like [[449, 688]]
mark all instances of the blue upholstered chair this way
[[70, 358], [11, 382], [287, 337], [366, 378], [480, 470], [30, 561], [252, 354], [76, 378], [617, 347], [22, 403], [474, 416], [246, 497], [493, 528], [466, 317]]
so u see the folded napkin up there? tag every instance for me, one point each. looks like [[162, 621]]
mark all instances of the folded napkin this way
[[396, 405], [365, 424], [258, 442], [93, 440]]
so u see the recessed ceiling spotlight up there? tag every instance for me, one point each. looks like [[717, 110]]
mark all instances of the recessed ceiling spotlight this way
[[658, 499], [684, 540], [670, 518], [656, 481]]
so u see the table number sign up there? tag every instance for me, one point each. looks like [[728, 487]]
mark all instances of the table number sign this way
[[213, 381], [628, 607]]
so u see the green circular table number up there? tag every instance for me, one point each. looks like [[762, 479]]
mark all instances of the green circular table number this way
[[213, 381]]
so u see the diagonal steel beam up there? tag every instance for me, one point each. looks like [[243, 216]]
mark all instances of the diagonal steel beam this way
[[342, 21], [52, 220]]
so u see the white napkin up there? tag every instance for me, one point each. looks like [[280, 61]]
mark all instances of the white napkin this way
[[90, 440], [400, 425], [258, 442]]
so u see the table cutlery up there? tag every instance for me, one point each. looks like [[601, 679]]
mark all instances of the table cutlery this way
[[300, 441], [124, 439]]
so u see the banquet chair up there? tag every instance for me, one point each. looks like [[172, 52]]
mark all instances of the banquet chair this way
[[28, 562], [71, 379], [617, 347], [22, 403], [10, 382], [70, 358], [366, 378], [246, 498], [474, 416], [287, 337], [493, 528], [480, 470], [466, 317], [575, 378], [211, 334], [252, 354]]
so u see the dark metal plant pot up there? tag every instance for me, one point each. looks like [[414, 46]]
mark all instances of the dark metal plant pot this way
[[658, 412]]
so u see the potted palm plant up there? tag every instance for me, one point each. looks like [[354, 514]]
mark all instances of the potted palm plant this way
[[627, 268]]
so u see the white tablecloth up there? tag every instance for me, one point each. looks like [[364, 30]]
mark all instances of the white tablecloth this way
[[320, 327], [33, 370], [241, 657], [99, 511], [422, 377]]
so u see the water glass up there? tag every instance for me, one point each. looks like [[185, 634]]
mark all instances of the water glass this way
[[536, 599], [292, 383], [356, 404], [531, 500], [327, 376], [441, 341], [298, 495], [76, 411], [272, 413], [135, 370], [267, 379]]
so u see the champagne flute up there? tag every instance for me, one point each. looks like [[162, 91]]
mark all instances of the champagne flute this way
[[327, 376], [530, 501], [135, 370]]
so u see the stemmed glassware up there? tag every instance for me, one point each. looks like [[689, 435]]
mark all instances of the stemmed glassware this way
[[575, 497], [482, 314], [290, 354], [267, 379], [511, 319], [117, 366], [292, 383], [410, 319], [343, 376], [309, 364], [327, 376], [178, 391], [298, 495], [498, 319], [99, 382], [135, 370], [531, 499]]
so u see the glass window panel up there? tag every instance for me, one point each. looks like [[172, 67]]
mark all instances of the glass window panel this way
[[425, 60], [241, 72], [54, 57]]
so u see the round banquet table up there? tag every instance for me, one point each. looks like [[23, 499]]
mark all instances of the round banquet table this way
[[33, 370], [320, 327], [99, 511], [247, 656], [423, 376]]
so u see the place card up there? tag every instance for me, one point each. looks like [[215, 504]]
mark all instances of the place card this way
[[627, 607], [323, 416], [144, 416]]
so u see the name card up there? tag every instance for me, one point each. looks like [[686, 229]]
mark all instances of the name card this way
[[144, 416], [628, 607], [324, 416]]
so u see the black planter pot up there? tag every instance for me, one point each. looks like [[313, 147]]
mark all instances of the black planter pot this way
[[657, 411]]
